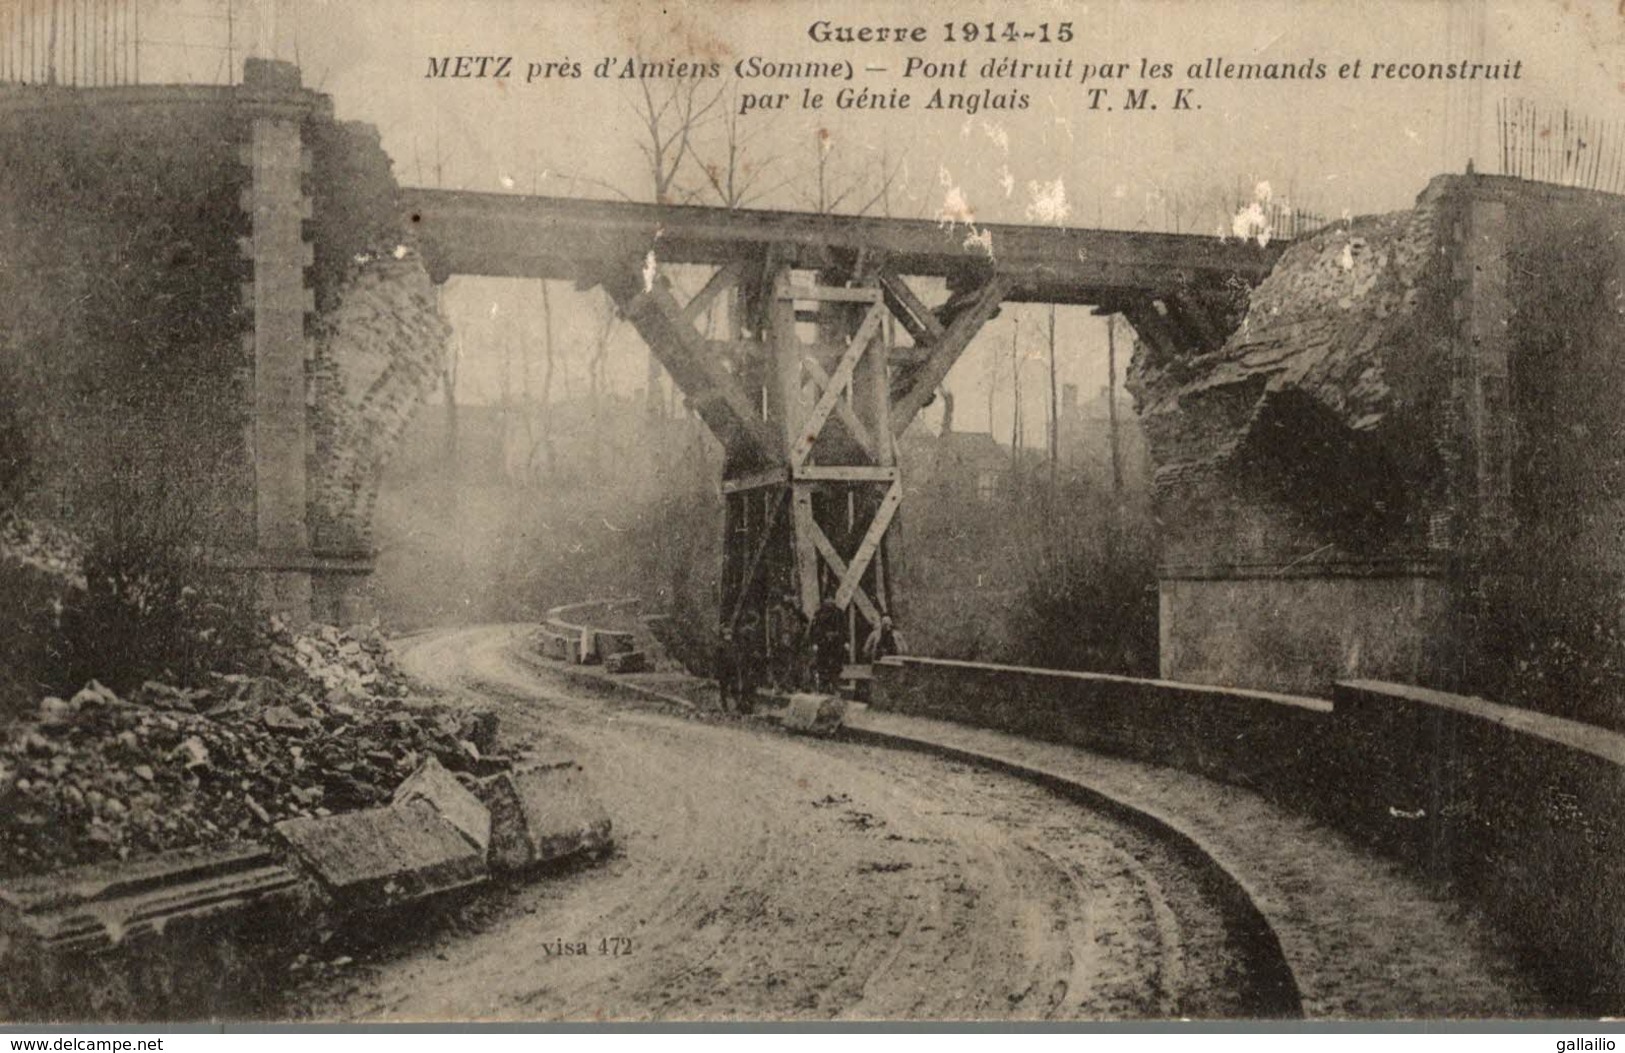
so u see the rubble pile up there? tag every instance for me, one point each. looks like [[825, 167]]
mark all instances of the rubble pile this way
[[354, 663], [97, 777]]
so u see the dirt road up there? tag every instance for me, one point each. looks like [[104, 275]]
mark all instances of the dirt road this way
[[762, 875]]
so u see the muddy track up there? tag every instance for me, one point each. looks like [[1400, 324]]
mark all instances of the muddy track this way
[[759, 875]]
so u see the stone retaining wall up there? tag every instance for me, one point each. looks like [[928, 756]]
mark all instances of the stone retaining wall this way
[[1518, 810], [212, 317], [1514, 810], [1250, 737]]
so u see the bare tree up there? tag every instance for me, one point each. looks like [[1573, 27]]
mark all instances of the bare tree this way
[[668, 119], [670, 123], [834, 185], [547, 383], [735, 177], [1054, 410]]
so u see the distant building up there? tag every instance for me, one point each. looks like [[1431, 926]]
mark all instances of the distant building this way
[[966, 466]]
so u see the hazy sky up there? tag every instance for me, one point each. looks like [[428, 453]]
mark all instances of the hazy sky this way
[[1330, 145]]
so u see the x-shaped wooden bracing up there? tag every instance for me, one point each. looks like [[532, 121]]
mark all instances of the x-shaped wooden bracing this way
[[734, 416], [834, 394], [833, 385], [850, 575]]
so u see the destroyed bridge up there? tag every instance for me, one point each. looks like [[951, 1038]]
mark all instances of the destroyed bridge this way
[[806, 390]]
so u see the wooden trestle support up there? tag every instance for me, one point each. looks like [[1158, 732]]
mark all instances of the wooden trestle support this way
[[808, 396]]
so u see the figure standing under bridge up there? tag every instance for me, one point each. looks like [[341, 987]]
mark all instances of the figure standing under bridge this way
[[884, 642], [786, 634], [749, 657], [725, 667], [828, 634], [739, 661]]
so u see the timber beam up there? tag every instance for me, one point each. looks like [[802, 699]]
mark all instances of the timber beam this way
[[715, 393], [522, 236], [812, 473], [920, 386], [915, 316], [1152, 324]]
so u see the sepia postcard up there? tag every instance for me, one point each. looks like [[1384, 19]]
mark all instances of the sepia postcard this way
[[549, 511]]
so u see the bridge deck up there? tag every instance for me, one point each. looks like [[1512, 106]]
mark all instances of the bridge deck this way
[[513, 235]]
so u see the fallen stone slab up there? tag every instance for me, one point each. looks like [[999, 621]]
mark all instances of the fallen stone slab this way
[[543, 813], [814, 714], [97, 907], [626, 662], [381, 858], [431, 782], [151, 938]]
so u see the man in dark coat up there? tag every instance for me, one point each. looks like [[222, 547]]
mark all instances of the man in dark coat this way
[[828, 633], [726, 667], [787, 634], [749, 656]]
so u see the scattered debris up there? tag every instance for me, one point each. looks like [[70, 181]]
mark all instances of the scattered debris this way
[[814, 714], [97, 777], [884, 868]]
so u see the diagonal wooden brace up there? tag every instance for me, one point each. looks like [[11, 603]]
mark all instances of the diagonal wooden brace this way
[[946, 351], [725, 278], [718, 397], [837, 383], [755, 563], [853, 575], [915, 316], [1199, 319], [826, 548], [843, 409]]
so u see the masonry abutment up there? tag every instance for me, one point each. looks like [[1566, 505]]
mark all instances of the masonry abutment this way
[[1403, 463], [280, 301], [221, 313]]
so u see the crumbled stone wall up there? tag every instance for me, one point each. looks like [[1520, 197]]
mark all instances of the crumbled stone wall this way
[[1337, 381], [1406, 462], [1308, 473], [377, 340], [379, 353]]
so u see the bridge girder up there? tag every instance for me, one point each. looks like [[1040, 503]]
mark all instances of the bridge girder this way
[[520, 236]]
